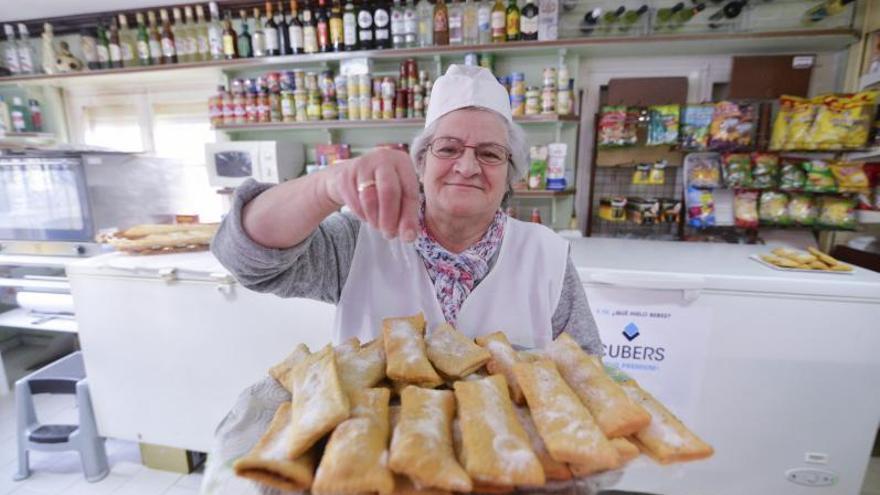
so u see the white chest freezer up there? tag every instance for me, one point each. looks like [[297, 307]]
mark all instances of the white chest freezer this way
[[779, 372], [169, 342]]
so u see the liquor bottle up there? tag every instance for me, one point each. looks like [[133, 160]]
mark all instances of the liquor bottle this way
[[632, 16], [192, 35], [155, 40], [484, 21], [25, 51], [283, 30], [425, 13], [349, 26], [470, 29], [499, 22], [397, 37], [103, 49], [258, 37], [410, 24], [88, 45], [270, 30], [824, 10], [143, 41], [528, 21], [245, 44], [127, 43], [36, 115], [611, 17], [382, 24], [322, 26], [684, 16], [230, 39], [337, 43], [48, 55], [295, 29], [310, 31], [365, 26], [202, 39], [10, 51], [180, 35], [169, 53], [512, 21], [591, 19], [456, 19], [441, 23], [113, 45], [665, 14], [215, 33]]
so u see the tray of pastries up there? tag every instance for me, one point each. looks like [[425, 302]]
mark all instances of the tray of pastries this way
[[438, 412], [162, 238], [794, 260]]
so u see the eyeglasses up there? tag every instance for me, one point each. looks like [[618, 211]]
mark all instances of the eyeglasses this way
[[449, 148]]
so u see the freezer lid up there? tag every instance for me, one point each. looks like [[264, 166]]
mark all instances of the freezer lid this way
[[696, 266], [180, 266]]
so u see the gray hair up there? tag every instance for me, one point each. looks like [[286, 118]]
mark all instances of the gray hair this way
[[516, 141]]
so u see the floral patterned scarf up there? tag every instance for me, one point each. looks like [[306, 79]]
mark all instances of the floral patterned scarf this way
[[455, 275]]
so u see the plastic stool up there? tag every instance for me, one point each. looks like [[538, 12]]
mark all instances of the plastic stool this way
[[65, 376]]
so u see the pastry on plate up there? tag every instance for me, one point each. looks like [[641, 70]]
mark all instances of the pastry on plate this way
[[405, 354], [362, 368], [502, 361], [281, 371], [553, 469], [454, 354], [318, 401]]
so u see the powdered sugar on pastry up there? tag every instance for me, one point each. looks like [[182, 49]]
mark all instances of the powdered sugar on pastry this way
[[402, 331]]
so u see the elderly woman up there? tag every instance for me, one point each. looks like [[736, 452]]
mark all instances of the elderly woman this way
[[430, 238]]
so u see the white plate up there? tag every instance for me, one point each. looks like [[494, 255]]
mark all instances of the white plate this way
[[757, 258]]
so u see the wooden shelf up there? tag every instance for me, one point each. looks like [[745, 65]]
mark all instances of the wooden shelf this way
[[794, 40], [378, 123], [534, 193], [26, 138]]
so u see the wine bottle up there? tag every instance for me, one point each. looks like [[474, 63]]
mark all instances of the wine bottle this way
[[127, 43], [283, 31], [230, 39], [115, 48], [441, 23], [349, 26], [215, 32], [512, 21], [684, 16], [365, 25], [528, 21], [310, 31], [591, 19], [270, 30], [337, 30], [180, 35], [169, 50], [155, 40], [730, 11], [245, 45], [143, 41], [630, 17], [258, 39], [322, 25], [426, 23], [825, 10], [410, 24], [499, 22], [295, 27], [665, 14], [382, 24], [456, 21]]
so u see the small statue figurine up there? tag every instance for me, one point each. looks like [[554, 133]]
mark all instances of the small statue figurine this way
[[65, 61], [48, 49]]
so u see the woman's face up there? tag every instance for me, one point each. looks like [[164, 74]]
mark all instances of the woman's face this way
[[463, 186]]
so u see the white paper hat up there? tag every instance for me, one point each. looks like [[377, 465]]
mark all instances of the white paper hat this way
[[467, 86]]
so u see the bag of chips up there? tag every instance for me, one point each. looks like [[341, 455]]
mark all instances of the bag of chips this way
[[792, 176], [781, 125], [745, 209], [802, 115], [737, 170], [764, 170], [615, 129], [862, 109], [837, 212], [695, 126], [663, 125], [773, 209], [819, 177], [802, 209], [700, 207], [703, 169], [732, 126], [850, 177]]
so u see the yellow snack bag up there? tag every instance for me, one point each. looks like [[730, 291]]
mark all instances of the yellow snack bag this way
[[861, 113], [802, 115], [850, 177], [830, 123], [783, 121]]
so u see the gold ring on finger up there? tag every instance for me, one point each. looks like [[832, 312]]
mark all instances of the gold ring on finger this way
[[362, 186]]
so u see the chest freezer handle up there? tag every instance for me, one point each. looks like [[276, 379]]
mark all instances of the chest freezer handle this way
[[690, 285]]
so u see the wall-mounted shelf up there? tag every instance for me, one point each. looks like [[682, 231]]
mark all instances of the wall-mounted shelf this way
[[378, 123], [794, 40], [541, 194], [26, 138]]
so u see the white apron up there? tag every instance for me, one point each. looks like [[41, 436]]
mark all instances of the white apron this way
[[518, 296]]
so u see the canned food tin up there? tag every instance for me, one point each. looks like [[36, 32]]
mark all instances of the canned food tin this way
[[299, 79], [388, 88], [400, 104], [517, 106], [549, 77], [364, 85], [313, 108], [329, 110], [351, 86], [533, 101], [388, 108], [273, 82], [300, 101], [288, 106], [562, 77], [311, 81], [341, 83], [376, 104], [548, 100], [563, 102], [354, 108], [274, 107], [263, 110], [342, 109], [412, 72], [365, 102]]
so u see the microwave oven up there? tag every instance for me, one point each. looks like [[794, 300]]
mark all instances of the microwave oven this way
[[230, 163]]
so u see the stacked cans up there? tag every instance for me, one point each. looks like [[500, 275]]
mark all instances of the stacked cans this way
[[518, 94]]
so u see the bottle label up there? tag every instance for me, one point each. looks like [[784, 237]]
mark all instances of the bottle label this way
[[454, 22], [441, 23], [310, 39], [12, 60], [127, 52], [365, 20], [89, 49], [18, 121], [296, 37], [155, 50], [167, 47], [322, 33], [513, 25], [484, 16], [203, 46], [258, 43], [335, 30], [180, 46], [228, 45], [143, 49], [410, 21], [381, 18], [396, 22], [24, 60], [499, 22], [349, 29], [192, 46], [529, 25], [215, 39], [271, 39], [103, 55], [115, 53]]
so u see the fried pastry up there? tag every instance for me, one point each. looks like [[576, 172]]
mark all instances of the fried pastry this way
[[564, 423], [362, 368], [406, 358], [625, 449], [495, 447], [348, 346], [403, 486], [503, 359], [616, 414], [281, 371], [318, 401], [452, 353], [268, 464], [553, 469], [421, 446], [665, 439]]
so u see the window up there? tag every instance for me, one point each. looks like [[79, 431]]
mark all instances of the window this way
[[180, 131], [114, 127]]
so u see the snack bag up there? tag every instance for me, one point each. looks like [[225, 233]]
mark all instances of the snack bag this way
[[765, 170], [663, 125], [614, 129], [670, 210], [819, 177], [695, 126], [642, 174], [745, 209], [837, 212], [862, 108], [802, 209], [703, 169], [737, 170], [732, 126], [802, 115], [850, 177], [773, 209], [657, 175], [830, 124], [701, 208], [792, 176], [781, 125]]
